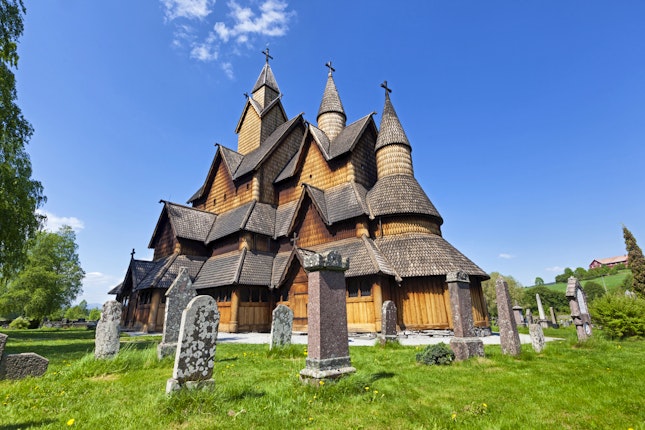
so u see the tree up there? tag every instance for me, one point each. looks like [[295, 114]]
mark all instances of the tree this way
[[77, 312], [21, 195], [548, 297], [635, 262], [593, 290], [50, 280], [539, 281], [515, 290], [565, 276]]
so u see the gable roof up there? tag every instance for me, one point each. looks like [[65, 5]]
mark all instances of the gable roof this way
[[236, 267], [400, 194], [166, 269], [185, 222], [230, 221]]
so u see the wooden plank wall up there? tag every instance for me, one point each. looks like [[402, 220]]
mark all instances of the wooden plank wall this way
[[166, 242], [423, 303]]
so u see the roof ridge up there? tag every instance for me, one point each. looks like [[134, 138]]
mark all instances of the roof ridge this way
[[321, 211], [240, 264], [247, 215]]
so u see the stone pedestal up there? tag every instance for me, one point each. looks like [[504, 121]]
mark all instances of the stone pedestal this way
[[464, 344], [388, 323], [328, 346], [517, 314], [509, 337]]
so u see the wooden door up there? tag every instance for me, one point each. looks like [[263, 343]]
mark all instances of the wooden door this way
[[298, 298]]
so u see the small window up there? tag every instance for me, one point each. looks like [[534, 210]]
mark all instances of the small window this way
[[214, 202], [352, 290], [248, 186], [224, 197], [244, 294], [365, 289], [255, 295]]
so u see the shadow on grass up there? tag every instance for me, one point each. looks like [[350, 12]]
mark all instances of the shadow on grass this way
[[221, 360], [381, 375], [139, 345], [247, 394], [26, 424]]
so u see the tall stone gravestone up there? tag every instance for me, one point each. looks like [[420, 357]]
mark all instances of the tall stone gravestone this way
[[388, 322], [517, 314], [509, 337], [554, 321], [542, 321], [327, 344], [195, 356], [537, 337], [464, 344], [106, 340], [281, 327], [180, 293], [529, 316], [579, 311]]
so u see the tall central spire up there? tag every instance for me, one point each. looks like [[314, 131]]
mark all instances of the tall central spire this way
[[331, 115]]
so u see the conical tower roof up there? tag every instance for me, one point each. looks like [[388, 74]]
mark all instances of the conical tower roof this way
[[266, 78], [390, 131], [331, 100]]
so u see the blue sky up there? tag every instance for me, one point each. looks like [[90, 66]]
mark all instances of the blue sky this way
[[526, 119]]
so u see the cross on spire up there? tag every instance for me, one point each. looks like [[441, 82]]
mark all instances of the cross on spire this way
[[132, 253], [294, 239], [266, 54], [331, 69], [387, 89]]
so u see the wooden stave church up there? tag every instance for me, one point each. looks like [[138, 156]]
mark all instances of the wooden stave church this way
[[293, 188]]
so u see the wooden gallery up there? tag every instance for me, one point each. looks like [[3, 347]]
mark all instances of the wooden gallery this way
[[293, 187]]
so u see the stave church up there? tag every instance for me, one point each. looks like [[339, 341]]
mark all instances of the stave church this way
[[290, 188]]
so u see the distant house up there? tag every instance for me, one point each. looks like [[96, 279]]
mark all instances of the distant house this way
[[609, 262]]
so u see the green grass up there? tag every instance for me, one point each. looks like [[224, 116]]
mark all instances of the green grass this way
[[612, 282], [597, 385]]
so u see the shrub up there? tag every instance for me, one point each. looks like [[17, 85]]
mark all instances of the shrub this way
[[20, 323], [439, 353], [620, 316], [593, 290]]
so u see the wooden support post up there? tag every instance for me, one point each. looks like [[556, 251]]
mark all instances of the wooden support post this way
[[154, 308], [235, 307], [377, 295]]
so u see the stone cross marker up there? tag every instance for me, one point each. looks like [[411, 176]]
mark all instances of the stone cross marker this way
[[517, 314], [327, 344], [195, 356], [579, 311], [542, 321], [388, 322], [464, 344], [281, 327], [106, 340], [509, 337], [180, 293], [18, 366], [537, 337]]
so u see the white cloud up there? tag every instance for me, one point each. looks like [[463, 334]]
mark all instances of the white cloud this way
[[228, 69], [272, 20], [95, 287], [190, 9], [556, 269], [54, 222], [204, 52], [506, 256]]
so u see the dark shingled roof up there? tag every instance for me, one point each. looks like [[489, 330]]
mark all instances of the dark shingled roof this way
[[230, 221], [237, 267], [266, 78], [117, 289], [318, 198], [418, 254], [165, 270], [400, 194], [345, 201], [190, 223], [283, 217], [348, 137], [331, 100], [290, 169], [321, 139], [155, 273], [280, 265], [231, 158], [262, 219], [254, 158], [257, 268], [391, 130]]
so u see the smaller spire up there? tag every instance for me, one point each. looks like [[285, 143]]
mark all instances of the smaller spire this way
[[266, 75], [390, 131], [331, 100]]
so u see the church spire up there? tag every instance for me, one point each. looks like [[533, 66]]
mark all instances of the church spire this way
[[393, 150], [331, 115], [266, 87]]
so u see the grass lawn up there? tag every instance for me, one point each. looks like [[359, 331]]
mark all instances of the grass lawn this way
[[598, 385], [612, 282]]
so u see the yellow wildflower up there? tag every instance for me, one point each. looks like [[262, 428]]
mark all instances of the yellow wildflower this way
[[453, 416], [70, 422]]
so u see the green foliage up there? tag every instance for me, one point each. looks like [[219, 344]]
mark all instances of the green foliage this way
[[77, 312], [593, 290], [635, 261], [565, 276], [21, 195], [549, 298], [436, 354], [51, 278], [619, 315], [95, 314], [539, 281], [20, 323], [515, 289]]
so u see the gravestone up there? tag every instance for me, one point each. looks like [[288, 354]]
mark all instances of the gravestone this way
[[106, 339], [180, 293], [542, 321], [509, 337], [537, 337], [18, 366], [195, 356], [554, 321], [517, 314], [281, 327], [388, 323], [464, 344], [327, 344], [529, 316], [579, 311]]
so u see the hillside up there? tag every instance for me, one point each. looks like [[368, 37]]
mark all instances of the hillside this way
[[612, 282]]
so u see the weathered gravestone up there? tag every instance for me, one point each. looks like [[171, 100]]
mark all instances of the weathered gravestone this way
[[281, 327], [327, 344], [509, 337], [542, 321], [537, 337], [517, 314], [106, 341], [388, 322], [579, 311], [18, 366], [195, 356], [529, 316], [464, 344], [180, 293], [554, 321]]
